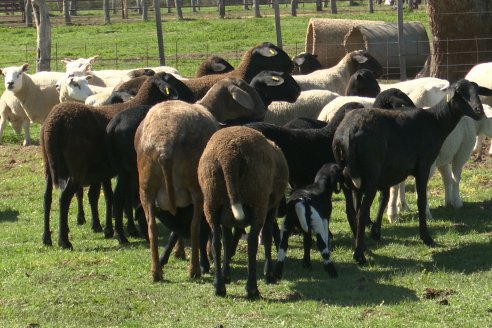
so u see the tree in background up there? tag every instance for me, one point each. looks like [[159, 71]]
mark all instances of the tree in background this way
[[43, 26], [461, 32], [107, 19], [66, 12]]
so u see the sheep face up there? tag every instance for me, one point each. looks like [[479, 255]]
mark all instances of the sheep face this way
[[214, 65], [78, 65], [363, 83], [267, 56], [361, 59], [77, 88], [13, 77], [465, 96], [172, 88], [392, 98], [305, 63], [276, 86]]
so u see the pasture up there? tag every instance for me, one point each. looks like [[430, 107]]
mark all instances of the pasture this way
[[103, 284]]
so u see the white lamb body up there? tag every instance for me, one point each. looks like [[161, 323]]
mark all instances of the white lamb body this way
[[452, 157], [11, 111], [308, 104]]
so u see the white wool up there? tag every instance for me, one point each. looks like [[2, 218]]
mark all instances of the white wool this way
[[11, 111], [332, 107], [309, 104], [424, 92]]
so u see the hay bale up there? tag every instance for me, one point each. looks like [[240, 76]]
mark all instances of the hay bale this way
[[325, 38], [381, 41]]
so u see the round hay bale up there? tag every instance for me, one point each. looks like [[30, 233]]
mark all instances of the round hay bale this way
[[381, 41], [325, 37]]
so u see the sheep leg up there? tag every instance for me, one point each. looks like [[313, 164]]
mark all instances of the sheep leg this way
[[238, 233], [392, 211], [324, 248], [421, 186], [119, 232], [195, 235], [108, 229], [376, 227], [3, 123], [142, 222], [275, 232], [267, 244], [27, 134], [307, 242], [478, 146], [173, 238], [402, 201], [447, 180], [93, 194], [48, 193], [66, 196], [179, 250], [204, 238], [121, 200], [227, 239], [252, 284], [365, 200], [149, 209], [287, 226], [219, 284], [80, 206], [350, 209]]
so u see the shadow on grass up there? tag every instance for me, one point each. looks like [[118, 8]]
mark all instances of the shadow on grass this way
[[466, 259], [9, 215]]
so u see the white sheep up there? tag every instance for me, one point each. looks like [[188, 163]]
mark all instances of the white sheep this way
[[75, 88], [36, 92], [336, 78], [11, 111], [333, 106], [308, 104], [482, 75], [424, 92], [452, 157]]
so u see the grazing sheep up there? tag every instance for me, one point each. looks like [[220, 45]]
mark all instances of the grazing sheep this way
[[362, 83], [308, 104], [11, 111], [335, 79], [75, 154], [305, 63], [213, 65], [243, 177], [379, 148], [310, 209], [36, 92], [169, 143], [265, 56]]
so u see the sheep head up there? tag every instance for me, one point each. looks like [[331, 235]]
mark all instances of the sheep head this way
[[275, 86], [78, 65], [305, 63], [360, 59], [213, 65], [464, 96], [231, 99], [75, 88], [392, 98], [13, 77], [363, 83], [166, 87], [266, 56]]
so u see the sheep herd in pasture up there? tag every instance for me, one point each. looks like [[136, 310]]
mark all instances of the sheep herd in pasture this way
[[213, 155]]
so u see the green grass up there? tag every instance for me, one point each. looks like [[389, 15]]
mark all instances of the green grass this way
[[102, 284]]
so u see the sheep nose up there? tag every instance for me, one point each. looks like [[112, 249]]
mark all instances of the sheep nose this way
[[10, 85]]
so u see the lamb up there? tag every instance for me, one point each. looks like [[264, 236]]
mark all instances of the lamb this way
[[305, 63], [379, 148], [453, 155], [481, 74], [265, 56], [74, 88], [213, 65], [335, 79], [75, 156], [167, 156], [11, 111], [36, 92], [243, 177], [310, 209]]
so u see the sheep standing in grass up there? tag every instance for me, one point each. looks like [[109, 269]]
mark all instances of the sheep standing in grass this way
[[11, 111], [379, 148], [243, 177], [75, 154], [310, 209], [169, 143], [336, 78]]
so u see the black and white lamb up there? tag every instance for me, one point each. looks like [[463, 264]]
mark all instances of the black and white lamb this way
[[379, 148]]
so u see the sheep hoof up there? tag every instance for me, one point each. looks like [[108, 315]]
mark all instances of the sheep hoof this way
[[332, 271], [121, 239], [360, 258], [270, 279], [81, 220], [65, 244], [132, 231], [428, 241], [96, 227], [227, 278], [108, 233], [47, 240], [157, 276], [220, 291], [253, 294], [194, 274], [375, 232]]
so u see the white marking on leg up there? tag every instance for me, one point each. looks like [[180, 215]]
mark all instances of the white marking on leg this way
[[281, 255], [237, 211], [319, 226], [301, 215]]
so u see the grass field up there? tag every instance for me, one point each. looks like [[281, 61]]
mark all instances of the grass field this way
[[101, 284]]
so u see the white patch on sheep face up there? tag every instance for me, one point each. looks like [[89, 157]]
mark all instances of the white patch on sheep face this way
[[238, 212], [281, 255], [301, 215], [13, 78]]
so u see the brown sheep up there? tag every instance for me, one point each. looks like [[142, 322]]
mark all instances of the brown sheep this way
[[243, 177]]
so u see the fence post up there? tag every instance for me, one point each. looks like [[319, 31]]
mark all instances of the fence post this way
[[56, 56]]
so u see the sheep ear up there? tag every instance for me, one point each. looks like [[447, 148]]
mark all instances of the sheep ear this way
[[450, 94], [299, 60], [66, 61], [360, 58], [92, 59], [241, 97], [218, 67], [483, 91], [1, 72], [25, 67], [266, 51]]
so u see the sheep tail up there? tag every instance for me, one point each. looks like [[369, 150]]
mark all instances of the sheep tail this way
[[53, 160], [231, 177], [167, 171], [349, 172]]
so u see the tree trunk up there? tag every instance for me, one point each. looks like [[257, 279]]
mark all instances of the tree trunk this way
[[66, 12], [43, 26], [73, 7], [461, 32], [168, 5], [256, 5], [28, 11], [245, 5], [371, 6], [319, 5], [293, 7], [124, 9], [221, 4], [333, 6], [179, 12], [145, 10], [107, 19], [193, 5]]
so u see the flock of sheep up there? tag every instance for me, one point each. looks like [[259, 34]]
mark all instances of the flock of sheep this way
[[212, 155]]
